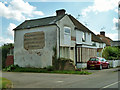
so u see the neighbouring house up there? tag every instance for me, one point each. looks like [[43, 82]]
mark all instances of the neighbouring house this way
[[35, 41], [99, 44], [105, 39], [115, 43]]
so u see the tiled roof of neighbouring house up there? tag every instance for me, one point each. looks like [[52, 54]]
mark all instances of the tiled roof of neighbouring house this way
[[81, 27], [105, 39]]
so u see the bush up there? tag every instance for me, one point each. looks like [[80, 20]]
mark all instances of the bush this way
[[50, 68], [10, 68], [111, 53]]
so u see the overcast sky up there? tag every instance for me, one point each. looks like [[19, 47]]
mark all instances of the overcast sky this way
[[97, 15]]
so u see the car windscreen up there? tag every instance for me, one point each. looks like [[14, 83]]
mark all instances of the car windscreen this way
[[93, 59]]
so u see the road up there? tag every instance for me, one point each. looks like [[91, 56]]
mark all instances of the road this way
[[101, 79]]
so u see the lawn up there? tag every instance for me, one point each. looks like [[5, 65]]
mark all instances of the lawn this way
[[5, 83]]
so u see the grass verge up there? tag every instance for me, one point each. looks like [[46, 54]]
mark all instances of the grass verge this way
[[39, 70], [5, 83]]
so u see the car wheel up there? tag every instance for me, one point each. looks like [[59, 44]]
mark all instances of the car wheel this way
[[108, 66], [88, 67], [100, 67]]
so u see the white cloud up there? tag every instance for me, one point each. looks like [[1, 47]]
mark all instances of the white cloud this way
[[5, 40], [96, 32], [10, 31], [113, 36], [18, 10], [101, 6], [38, 13], [115, 22], [116, 10]]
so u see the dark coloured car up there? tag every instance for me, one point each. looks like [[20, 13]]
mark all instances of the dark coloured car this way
[[98, 63]]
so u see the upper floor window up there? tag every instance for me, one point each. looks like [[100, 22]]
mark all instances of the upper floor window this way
[[66, 30], [84, 37], [67, 35]]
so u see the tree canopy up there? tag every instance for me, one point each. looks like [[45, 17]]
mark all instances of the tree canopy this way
[[111, 53], [5, 49]]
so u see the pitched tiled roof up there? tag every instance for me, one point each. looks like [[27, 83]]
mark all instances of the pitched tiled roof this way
[[39, 22], [95, 38], [81, 27], [105, 39]]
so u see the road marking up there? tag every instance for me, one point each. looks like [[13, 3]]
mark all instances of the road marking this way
[[59, 81], [111, 84]]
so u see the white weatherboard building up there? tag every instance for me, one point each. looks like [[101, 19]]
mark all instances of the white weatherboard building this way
[[35, 40]]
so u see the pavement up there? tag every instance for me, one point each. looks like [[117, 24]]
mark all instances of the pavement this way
[[106, 78]]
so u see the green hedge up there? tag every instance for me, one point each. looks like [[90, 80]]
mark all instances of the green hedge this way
[[49, 69]]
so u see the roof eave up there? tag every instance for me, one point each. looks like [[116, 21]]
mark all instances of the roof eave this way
[[34, 27]]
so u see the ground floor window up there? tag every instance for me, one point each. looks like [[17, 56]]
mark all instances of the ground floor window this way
[[83, 54], [64, 52]]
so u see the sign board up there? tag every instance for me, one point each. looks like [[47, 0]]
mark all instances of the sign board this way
[[34, 40]]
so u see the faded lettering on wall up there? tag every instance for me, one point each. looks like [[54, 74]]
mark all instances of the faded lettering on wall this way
[[34, 40]]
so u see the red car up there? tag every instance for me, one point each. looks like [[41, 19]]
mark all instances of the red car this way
[[98, 63]]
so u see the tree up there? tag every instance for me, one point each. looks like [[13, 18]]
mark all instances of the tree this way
[[111, 53], [5, 49]]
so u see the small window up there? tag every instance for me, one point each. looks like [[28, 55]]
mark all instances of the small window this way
[[72, 48], [84, 37], [94, 44]]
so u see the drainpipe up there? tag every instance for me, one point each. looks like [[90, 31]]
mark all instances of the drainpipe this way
[[75, 54], [59, 39]]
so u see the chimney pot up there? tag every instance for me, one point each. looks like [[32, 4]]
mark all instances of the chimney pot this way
[[102, 33]]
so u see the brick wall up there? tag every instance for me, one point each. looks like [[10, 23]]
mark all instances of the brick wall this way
[[9, 60]]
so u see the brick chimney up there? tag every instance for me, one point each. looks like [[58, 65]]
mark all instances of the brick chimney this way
[[102, 33], [60, 12]]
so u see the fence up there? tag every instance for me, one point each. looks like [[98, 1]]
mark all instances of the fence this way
[[114, 63]]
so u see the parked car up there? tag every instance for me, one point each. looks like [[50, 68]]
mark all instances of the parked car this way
[[98, 63]]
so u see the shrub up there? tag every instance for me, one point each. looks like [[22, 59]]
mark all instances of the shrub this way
[[111, 53], [50, 68], [10, 68]]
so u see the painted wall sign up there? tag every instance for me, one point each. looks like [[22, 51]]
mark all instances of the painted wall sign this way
[[34, 40]]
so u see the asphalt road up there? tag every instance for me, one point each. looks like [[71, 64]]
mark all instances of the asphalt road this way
[[101, 79]]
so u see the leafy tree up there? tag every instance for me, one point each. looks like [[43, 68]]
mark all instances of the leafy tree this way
[[5, 49], [111, 53]]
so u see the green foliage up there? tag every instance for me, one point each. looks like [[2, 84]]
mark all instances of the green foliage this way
[[10, 68], [50, 68], [5, 50], [45, 70], [111, 53]]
